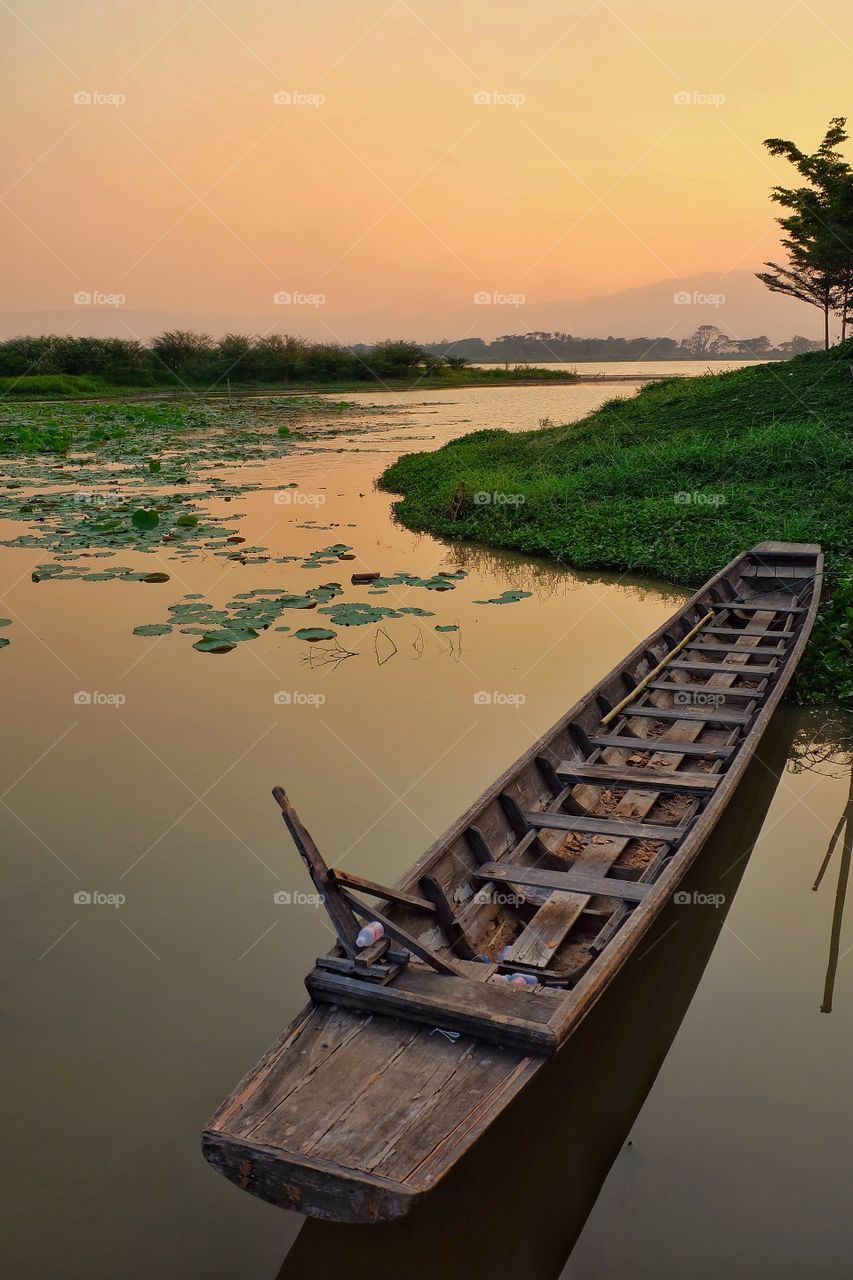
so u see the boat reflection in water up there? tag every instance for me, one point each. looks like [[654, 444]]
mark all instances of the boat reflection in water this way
[[516, 1204]]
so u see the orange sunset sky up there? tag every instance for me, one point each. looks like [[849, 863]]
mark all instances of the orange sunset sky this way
[[618, 145]]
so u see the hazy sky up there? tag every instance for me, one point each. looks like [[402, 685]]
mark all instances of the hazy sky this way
[[619, 144]]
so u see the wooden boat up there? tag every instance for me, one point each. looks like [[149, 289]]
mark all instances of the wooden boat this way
[[411, 1047]]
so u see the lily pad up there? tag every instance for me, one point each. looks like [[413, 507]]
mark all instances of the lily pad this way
[[145, 519], [314, 633], [152, 629], [452, 627], [506, 597], [155, 577], [5, 622], [218, 642], [187, 521], [4, 642]]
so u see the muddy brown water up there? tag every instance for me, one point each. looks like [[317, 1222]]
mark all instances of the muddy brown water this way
[[158, 924]]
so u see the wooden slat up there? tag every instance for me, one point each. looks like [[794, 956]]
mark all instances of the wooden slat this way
[[566, 881], [492, 1011], [380, 890], [762, 608], [709, 647], [668, 780], [708, 715], [672, 686], [729, 668], [629, 743], [601, 827], [757, 632], [538, 943]]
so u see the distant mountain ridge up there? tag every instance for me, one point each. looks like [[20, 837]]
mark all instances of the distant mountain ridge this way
[[737, 303]]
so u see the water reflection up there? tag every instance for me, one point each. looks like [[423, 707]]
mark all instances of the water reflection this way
[[824, 744], [517, 1203]]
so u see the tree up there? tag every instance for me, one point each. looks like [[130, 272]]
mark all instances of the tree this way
[[708, 340], [179, 347], [818, 227]]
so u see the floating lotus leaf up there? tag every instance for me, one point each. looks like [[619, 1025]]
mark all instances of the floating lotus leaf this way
[[145, 519], [314, 633], [219, 642], [153, 629], [187, 521], [451, 627], [506, 597]]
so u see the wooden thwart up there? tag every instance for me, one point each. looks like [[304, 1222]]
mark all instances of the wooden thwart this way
[[491, 1011], [628, 743], [602, 827], [709, 715], [618, 775], [565, 881], [727, 668]]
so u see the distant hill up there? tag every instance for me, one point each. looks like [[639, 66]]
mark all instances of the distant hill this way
[[736, 303]]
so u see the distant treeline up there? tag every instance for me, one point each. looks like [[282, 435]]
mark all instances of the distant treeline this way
[[708, 342], [182, 357]]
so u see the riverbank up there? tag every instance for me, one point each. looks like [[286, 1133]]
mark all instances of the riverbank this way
[[41, 387], [673, 482]]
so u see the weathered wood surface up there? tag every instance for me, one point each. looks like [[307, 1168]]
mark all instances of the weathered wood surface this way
[[355, 1113], [566, 881], [629, 742], [517, 1018], [616, 775], [602, 827]]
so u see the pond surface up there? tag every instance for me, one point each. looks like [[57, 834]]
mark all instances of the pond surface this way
[[155, 938]]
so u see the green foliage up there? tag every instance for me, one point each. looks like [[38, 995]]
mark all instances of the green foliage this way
[[674, 482], [63, 367]]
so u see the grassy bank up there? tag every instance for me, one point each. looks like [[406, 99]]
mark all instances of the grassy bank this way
[[63, 386], [673, 482]]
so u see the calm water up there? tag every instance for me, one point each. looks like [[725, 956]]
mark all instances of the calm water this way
[[686, 368], [127, 1024]]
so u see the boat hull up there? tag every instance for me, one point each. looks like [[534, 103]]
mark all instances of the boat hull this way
[[366, 1102]]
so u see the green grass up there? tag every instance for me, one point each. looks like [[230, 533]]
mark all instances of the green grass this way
[[761, 453], [66, 386]]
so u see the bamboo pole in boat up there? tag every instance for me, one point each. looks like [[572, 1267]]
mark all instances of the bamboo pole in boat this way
[[641, 684]]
